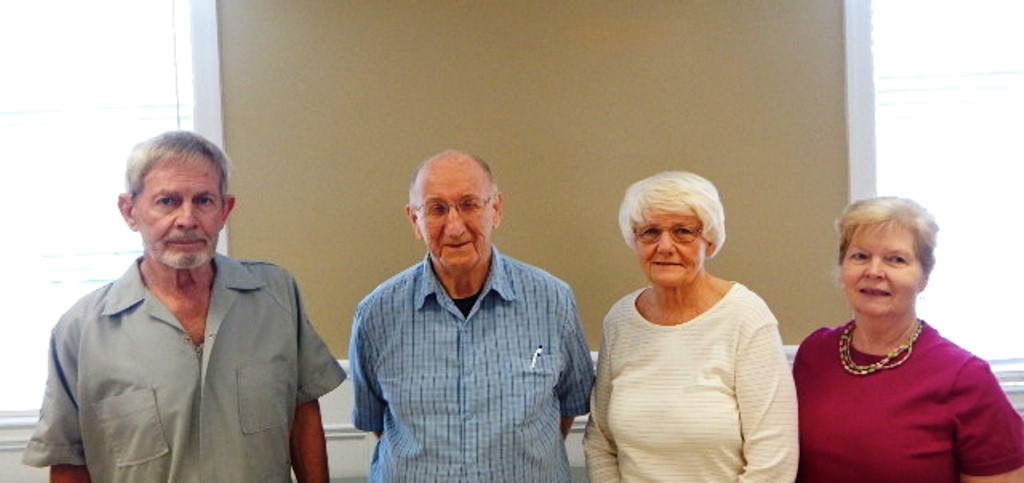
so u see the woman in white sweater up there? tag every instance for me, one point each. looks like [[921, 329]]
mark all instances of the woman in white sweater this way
[[692, 382]]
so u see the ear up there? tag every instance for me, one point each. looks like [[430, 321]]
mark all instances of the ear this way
[[126, 206], [709, 249], [410, 214], [497, 205], [229, 204]]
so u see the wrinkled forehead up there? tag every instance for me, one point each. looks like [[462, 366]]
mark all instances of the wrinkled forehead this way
[[450, 178], [184, 166]]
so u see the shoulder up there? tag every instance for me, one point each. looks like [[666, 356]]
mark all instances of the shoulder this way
[[624, 309], [821, 344], [822, 335], [403, 282], [266, 271], [527, 275], [932, 344], [941, 355], [246, 275], [86, 310], [746, 308], [392, 299]]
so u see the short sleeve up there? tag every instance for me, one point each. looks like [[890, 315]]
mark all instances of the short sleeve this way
[[578, 376], [319, 370], [989, 438], [368, 408], [57, 438]]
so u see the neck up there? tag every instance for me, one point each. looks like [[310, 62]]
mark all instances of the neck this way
[[460, 286], [879, 337], [679, 304], [161, 278]]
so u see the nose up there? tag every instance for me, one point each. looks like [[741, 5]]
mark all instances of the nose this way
[[453, 222], [665, 242], [186, 218], [874, 269]]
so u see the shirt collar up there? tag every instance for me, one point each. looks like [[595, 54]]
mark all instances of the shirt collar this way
[[497, 281], [127, 291]]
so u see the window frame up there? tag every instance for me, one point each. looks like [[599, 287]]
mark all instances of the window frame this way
[[860, 100], [207, 121], [862, 144]]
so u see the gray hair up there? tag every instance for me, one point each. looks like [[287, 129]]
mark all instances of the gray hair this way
[[173, 144], [890, 211], [673, 192]]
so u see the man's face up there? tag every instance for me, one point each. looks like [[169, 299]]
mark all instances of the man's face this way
[[179, 212], [454, 208]]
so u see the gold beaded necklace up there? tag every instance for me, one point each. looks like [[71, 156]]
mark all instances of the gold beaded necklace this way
[[891, 360]]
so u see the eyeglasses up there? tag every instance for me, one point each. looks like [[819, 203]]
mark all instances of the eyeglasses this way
[[681, 234], [436, 210]]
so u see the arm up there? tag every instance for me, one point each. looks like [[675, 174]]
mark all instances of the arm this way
[[598, 443], [565, 425], [69, 474], [368, 406], [1015, 476], [308, 446], [766, 399], [990, 435], [57, 441]]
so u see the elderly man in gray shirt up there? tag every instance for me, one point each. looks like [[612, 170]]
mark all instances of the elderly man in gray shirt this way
[[192, 366]]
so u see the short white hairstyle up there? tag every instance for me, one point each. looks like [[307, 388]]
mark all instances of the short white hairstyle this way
[[673, 192]]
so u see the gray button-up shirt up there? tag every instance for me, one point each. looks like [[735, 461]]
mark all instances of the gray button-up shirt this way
[[132, 398]]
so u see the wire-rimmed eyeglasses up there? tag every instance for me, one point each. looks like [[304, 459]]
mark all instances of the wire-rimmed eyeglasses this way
[[466, 207], [680, 234]]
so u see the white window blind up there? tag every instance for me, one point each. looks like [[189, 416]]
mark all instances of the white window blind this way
[[949, 125], [83, 82]]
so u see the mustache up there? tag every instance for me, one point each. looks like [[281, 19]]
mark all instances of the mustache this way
[[186, 237]]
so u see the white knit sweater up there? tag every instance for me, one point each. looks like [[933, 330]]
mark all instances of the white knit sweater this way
[[708, 400]]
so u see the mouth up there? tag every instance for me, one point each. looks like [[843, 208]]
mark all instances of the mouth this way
[[667, 264], [875, 292], [185, 242], [456, 244]]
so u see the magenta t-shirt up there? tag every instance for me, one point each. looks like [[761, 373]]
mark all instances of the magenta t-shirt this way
[[939, 414]]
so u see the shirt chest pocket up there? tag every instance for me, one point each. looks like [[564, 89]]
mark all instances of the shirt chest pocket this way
[[266, 396], [528, 385], [131, 426]]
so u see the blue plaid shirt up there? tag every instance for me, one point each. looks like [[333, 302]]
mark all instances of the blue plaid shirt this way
[[463, 398]]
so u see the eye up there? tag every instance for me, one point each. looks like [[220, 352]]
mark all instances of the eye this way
[[649, 235], [204, 200], [858, 256], [470, 205], [683, 232], [898, 260], [436, 210], [166, 201]]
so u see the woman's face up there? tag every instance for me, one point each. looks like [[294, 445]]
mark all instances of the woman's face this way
[[666, 261], [881, 274]]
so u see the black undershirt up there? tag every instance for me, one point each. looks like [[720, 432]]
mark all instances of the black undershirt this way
[[466, 304]]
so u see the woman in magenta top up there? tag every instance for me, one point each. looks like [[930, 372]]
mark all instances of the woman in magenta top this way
[[884, 397]]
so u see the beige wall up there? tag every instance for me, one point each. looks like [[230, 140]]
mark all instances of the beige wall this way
[[328, 105]]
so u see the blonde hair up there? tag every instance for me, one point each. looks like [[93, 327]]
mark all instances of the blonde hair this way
[[890, 212]]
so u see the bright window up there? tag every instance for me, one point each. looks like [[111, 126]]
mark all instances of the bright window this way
[[949, 132], [83, 82]]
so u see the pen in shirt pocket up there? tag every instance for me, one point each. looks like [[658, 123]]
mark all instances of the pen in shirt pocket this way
[[536, 354]]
